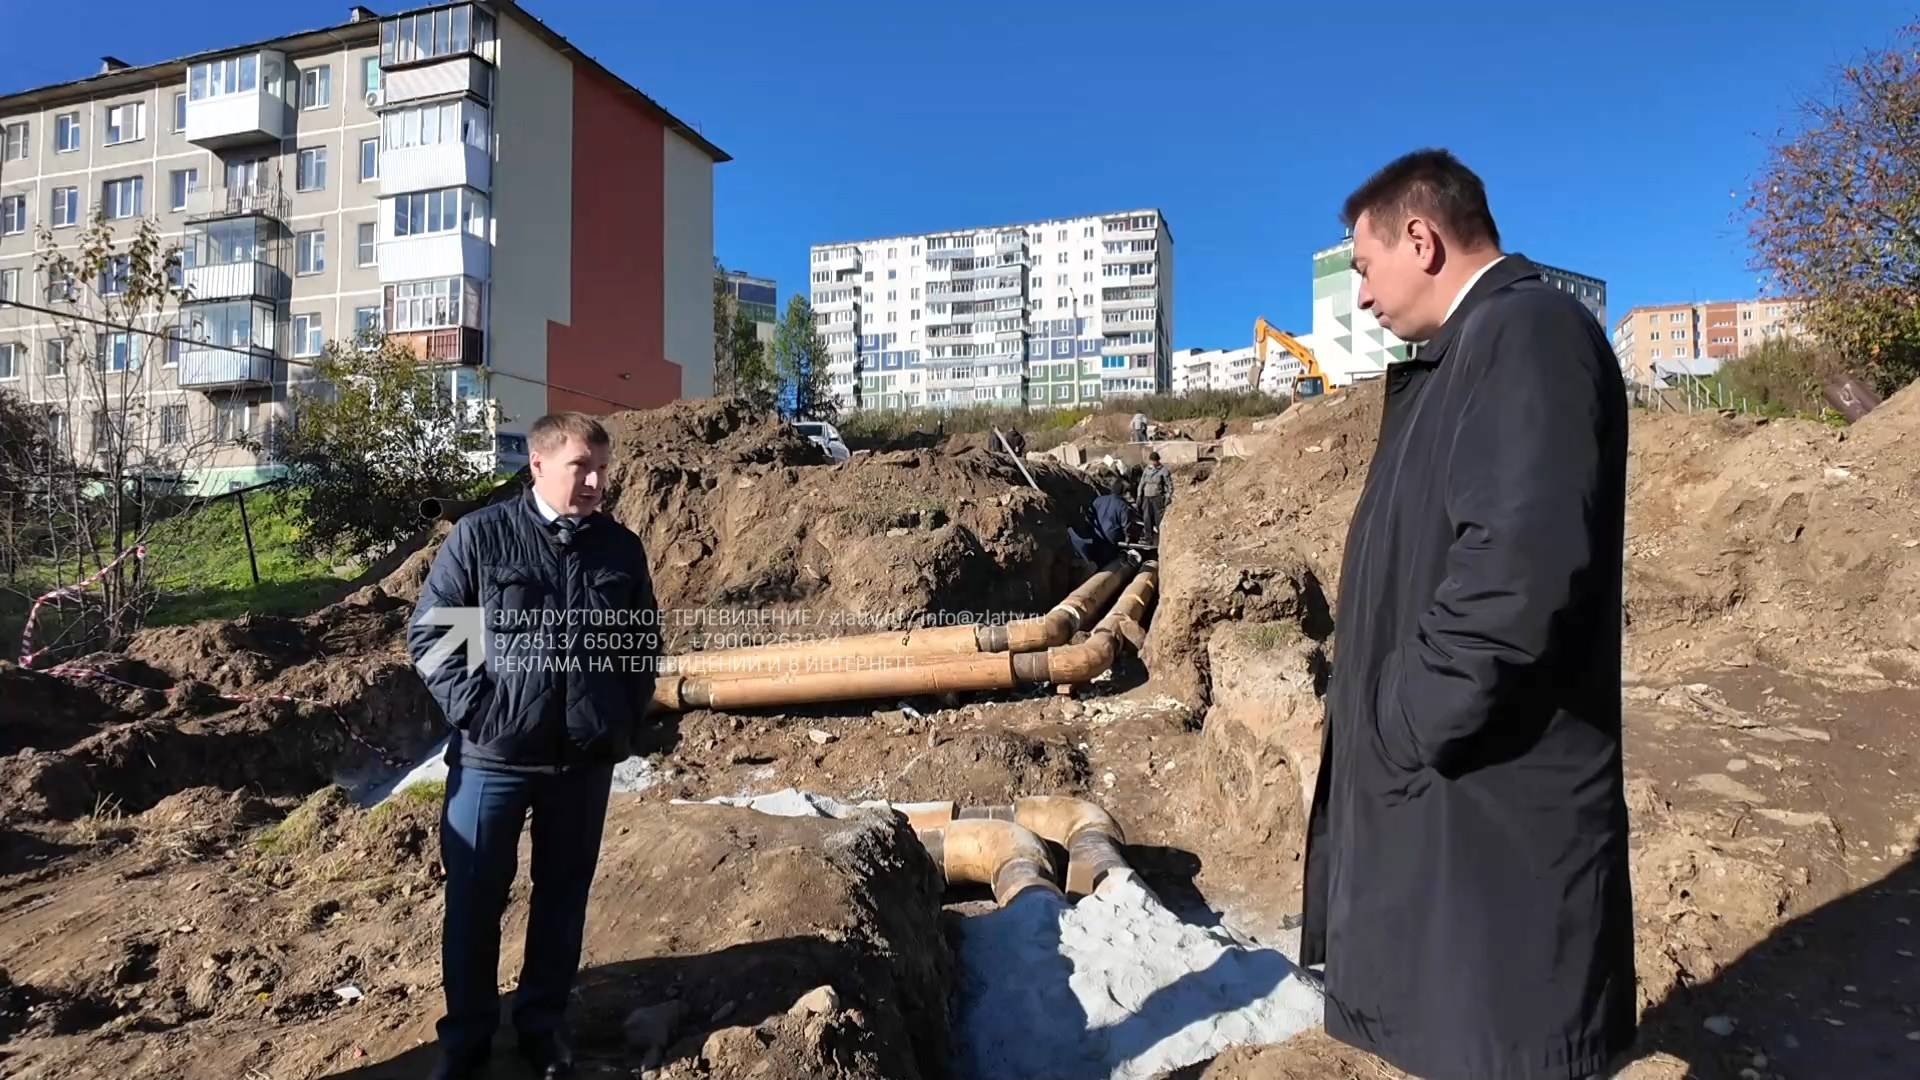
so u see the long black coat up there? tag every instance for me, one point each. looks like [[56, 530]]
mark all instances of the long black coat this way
[[1467, 849]]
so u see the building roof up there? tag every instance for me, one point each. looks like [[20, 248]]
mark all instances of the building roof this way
[[363, 30], [1006, 226]]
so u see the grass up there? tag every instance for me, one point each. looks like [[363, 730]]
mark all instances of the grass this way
[[420, 793], [1269, 637]]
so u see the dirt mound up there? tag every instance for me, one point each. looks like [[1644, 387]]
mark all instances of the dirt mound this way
[[326, 928]]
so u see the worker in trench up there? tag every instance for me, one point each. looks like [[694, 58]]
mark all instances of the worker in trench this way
[[1156, 491], [566, 672], [1466, 879]]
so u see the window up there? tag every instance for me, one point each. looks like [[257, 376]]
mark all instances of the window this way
[[9, 284], [248, 177], [10, 359], [232, 419], [173, 424], [14, 139], [316, 87], [114, 352], [13, 214], [310, 252], [445, 210], [180, 184], [431, 34], [216, 78], [308, 339], [365, 319], [1678, 316], [126, 123], [115, 275], [56, 358], [365, 236], [179, 112], [310, 169], [124, 198], [66, 133], [369, 160]]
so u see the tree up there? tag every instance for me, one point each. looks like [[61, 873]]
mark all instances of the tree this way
[[377, 432], [724, 381], [800, 363], [753, 374], [1835, 215], [109, 337]]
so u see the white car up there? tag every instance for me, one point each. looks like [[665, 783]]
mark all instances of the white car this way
[[826, 436]]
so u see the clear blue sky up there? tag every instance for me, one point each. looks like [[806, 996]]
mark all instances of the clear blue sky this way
[[1610, 134]]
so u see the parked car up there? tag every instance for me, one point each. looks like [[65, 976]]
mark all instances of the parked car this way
[[826, 436]]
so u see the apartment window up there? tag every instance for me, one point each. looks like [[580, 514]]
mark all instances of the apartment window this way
[[893, 253], [445, 210], [369, 160], [1678, 316], [370, 75], [12, 359], [308, 338], [316, 87], [179, 112], [430, 305], [173, 424], [126, 123], [216, 78], [310, 169], [14, 138], [9, 284], [13, 214], [1654, 336], [56, 358], [1746, 316], [1063, 235], [310, 252], [232, 419], [115, 275], [365, 319], [180, 184], [66, 133], [114, 352], [1062, 259], [124, 198], [365, 236]]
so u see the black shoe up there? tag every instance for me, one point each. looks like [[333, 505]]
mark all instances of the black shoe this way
[[550, 1054], [459, 1066]]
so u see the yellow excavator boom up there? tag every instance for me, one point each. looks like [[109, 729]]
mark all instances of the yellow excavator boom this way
[[1311, 382]]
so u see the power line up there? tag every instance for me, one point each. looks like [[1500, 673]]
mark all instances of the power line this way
[[213, 346]]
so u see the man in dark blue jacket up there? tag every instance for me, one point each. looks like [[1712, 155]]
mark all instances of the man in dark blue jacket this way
[[1113, 515], [541, 708]]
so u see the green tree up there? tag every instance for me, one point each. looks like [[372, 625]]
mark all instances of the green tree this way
[[375, 434], [800, 363], [1835, 215], [725, 376], [753, 374]]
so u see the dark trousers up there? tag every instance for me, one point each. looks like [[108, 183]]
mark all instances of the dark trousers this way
[[479, 846], [1153, 508]]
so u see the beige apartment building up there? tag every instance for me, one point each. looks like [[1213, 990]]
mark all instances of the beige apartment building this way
[[1655, 341], [357, 175]]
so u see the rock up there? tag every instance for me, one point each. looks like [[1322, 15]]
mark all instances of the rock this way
[[348, 993], [651, 1028], [820, 1001], [1719, 1025], [821, 738]]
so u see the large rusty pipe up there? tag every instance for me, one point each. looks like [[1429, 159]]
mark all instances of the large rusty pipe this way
[[436, 509], [893, 677], [1000, 854], [1091, 836], [1056, 627]]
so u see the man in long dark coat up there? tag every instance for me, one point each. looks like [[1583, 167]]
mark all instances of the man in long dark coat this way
[[1467, 882]]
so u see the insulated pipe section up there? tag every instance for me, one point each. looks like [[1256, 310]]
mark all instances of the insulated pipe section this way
[[895, 677], [1000, 854], [1056, 627], [1092, 837], [432, 509]]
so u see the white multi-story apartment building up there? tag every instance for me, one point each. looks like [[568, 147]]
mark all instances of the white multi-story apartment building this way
[[525, 221], [1047, 314], [1195, 370], [1350, 344]]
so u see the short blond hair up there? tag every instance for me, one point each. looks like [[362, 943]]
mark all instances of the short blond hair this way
[[551, 431]]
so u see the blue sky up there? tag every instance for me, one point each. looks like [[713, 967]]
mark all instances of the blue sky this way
[[1610, 134]]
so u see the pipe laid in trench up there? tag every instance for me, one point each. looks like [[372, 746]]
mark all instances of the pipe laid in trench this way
[[862, 678], [1000, 854], [1056, 627], [1092, 837]]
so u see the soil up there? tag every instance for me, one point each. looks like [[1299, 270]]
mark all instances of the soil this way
[[182, 892]]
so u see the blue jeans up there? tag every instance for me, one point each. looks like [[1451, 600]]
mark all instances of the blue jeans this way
[[479, 846]]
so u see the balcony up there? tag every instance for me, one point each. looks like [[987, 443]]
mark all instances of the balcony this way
[[224, 369], [235, 101], [437, 255], [213, 204], [236, 281], [466, 74], [429, 168], [841, 261], [450, 345]]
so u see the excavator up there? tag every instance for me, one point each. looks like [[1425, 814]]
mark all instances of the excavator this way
[[1311, 382]]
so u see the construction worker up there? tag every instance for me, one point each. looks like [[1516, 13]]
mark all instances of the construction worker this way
[[1139, 427], [1113, 515], [1467, 864], [1156, 491], [1017, 443], [537, 724]]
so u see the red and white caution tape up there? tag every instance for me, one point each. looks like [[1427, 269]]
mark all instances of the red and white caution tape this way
[[69, 592]]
